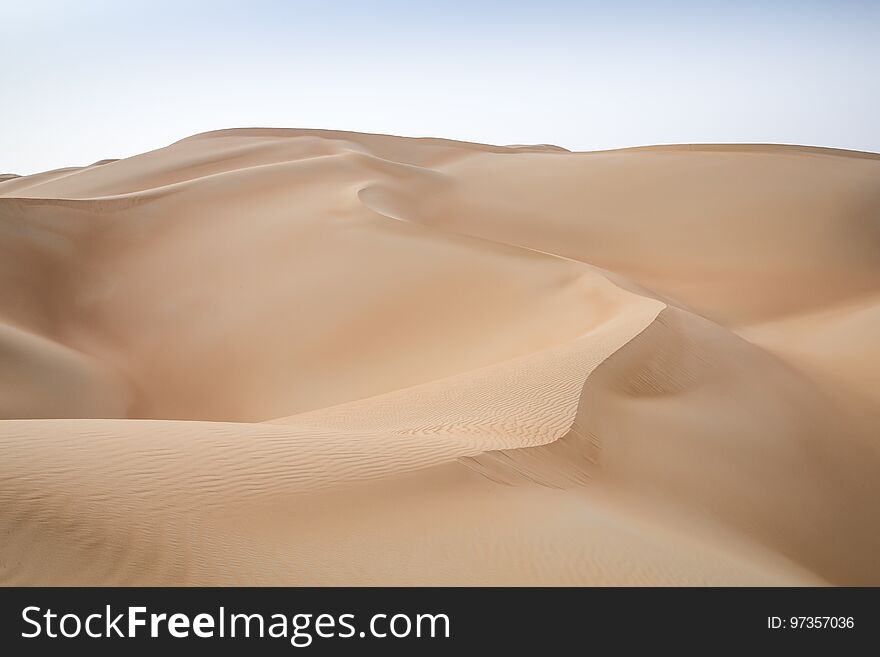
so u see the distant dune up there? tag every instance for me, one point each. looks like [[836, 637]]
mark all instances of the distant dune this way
[[270, 357]]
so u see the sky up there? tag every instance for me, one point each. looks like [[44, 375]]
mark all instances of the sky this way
[[84, 80]]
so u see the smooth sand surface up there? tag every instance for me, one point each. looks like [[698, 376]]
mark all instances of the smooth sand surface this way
[[266, 356]]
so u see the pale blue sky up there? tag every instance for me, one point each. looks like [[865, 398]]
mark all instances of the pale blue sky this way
[[86, 80]]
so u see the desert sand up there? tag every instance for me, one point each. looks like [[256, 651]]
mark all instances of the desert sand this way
[[304, 357]]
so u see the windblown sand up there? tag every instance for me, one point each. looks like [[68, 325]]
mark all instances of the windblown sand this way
[[307, 357]]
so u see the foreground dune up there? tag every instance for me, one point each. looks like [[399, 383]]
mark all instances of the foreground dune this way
[[308, 357]]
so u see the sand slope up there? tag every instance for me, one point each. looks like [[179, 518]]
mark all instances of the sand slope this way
[[267, 356]]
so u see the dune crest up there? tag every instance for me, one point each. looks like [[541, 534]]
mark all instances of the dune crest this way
[[282, 356]]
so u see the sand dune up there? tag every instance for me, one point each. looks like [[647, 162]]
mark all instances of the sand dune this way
[[266, 356]]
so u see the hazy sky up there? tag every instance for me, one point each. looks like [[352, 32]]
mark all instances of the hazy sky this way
[[90, 79]]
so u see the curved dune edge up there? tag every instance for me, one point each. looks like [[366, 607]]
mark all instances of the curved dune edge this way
[[319, 357], [206, 483], [224, 494]]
